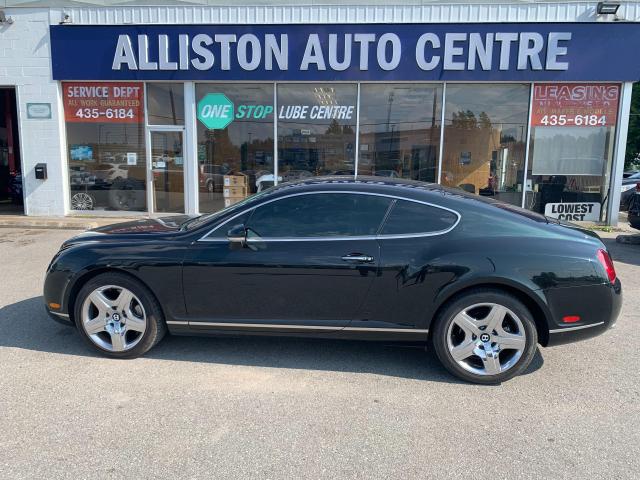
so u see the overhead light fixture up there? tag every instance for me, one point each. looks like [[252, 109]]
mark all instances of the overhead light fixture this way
[[66, 19], [607, 8], [4, 20]]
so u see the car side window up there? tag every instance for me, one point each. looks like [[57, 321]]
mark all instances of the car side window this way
[[414, 218], [221, 231], [320, 215]]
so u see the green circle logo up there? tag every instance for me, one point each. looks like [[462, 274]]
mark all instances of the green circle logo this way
[[215, 111]]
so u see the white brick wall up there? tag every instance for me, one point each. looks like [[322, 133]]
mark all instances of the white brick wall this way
[[26, 64], [25, 56]]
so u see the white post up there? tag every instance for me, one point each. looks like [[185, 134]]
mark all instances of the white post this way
[[275, 133], [147, 141], [357, 146], [526, 149], [619, 152], [442, 120], [190, 149]]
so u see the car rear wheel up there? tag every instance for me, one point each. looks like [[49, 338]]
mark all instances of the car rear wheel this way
[[485, 336], [118, 316]]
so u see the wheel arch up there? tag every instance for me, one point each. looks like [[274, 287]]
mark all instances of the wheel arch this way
[[74, 288], [536, 305]]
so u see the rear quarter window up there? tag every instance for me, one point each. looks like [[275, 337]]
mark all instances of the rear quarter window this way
[[408, 218]]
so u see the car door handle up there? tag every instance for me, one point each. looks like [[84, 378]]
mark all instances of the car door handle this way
[[358, 258]]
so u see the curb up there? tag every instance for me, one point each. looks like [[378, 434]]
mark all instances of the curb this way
[[60, 223]]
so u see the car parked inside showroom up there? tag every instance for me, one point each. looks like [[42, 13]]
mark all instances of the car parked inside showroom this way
[[480, 282]]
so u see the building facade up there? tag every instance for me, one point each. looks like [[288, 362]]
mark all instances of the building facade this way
[[138, 109]]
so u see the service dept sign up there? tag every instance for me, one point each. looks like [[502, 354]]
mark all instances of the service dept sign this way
[[465, 52], [574, 211]]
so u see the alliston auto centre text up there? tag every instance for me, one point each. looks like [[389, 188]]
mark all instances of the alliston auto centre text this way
[[450, 51]]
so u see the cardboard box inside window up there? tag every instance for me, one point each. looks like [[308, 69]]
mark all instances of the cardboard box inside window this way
[[235, 180], [231, 201], [234, 192]]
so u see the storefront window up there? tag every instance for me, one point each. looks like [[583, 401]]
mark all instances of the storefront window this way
[[105, 145], [165, 103], [484, 139], [242, 149], [316, 130], [571, 153], [400, 130]]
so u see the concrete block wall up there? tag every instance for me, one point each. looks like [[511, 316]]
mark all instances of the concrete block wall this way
[[25, 63]]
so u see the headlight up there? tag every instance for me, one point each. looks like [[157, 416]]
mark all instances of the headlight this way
[[626, 188]]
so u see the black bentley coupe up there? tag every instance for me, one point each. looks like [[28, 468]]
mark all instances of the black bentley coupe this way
[[481, 282]]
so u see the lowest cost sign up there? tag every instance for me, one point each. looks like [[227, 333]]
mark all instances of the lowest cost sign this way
[[574, 211]]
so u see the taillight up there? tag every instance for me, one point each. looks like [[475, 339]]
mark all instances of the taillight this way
[[607, 263], [638, 187]]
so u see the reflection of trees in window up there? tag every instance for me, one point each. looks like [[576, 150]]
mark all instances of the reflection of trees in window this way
[[466, 120], [482, 153], [485, 121]]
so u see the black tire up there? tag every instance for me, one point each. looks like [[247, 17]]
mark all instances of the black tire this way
[[461, 302], [155, 329]]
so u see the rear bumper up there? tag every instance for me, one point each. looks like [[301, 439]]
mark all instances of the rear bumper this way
[[601, 319]]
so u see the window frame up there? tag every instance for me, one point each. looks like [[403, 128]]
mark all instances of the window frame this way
[[377, 236]]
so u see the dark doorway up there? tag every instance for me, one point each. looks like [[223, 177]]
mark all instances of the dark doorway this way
[[11, 196]]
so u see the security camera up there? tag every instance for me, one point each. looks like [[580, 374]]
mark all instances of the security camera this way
[[4, 19]]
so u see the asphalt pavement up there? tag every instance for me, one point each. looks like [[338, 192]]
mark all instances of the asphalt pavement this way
[[270, 408]]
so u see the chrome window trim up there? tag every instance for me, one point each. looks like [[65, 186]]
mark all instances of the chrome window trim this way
[[571, 329], [338, 238]]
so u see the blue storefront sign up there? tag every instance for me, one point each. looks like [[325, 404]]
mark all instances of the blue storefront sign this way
[[374, 52]]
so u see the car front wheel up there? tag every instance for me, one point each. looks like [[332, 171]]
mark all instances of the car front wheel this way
[[118, 316], [485, 336]]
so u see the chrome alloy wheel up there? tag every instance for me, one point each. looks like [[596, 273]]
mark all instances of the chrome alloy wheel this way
[[486, 339], [81, 201], [114, 318]]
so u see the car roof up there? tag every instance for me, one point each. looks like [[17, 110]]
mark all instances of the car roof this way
[[440, 195], [412, 189]]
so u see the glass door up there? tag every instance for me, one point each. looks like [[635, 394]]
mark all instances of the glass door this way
[[167, 170]]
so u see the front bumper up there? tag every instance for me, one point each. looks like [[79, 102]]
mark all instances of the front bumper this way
[[62, 318]]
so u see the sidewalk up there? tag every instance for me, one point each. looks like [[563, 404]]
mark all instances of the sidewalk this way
[[68, 223]]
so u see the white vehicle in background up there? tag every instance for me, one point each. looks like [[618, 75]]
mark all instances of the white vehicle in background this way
[[265, 181]]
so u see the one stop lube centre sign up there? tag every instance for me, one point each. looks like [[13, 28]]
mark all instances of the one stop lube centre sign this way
[[216, 111]]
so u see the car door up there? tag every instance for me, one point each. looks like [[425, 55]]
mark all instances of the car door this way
[[309, 260], [412, 269]]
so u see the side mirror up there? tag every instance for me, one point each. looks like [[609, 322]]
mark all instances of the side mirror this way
[[237, 235]]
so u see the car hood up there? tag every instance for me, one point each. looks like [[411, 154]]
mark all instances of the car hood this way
[[148, 227]]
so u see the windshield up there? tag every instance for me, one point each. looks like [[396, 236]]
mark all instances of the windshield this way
[[207, 217]]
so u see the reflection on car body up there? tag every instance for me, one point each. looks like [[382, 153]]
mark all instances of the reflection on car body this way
[[481, 282]]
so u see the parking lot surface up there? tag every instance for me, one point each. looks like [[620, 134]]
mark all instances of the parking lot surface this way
[[288, 408]]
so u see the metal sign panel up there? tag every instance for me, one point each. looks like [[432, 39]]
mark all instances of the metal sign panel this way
[[574, 211], [379, 52]]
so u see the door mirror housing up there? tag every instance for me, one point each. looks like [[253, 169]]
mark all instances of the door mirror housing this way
[[237, 235]]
